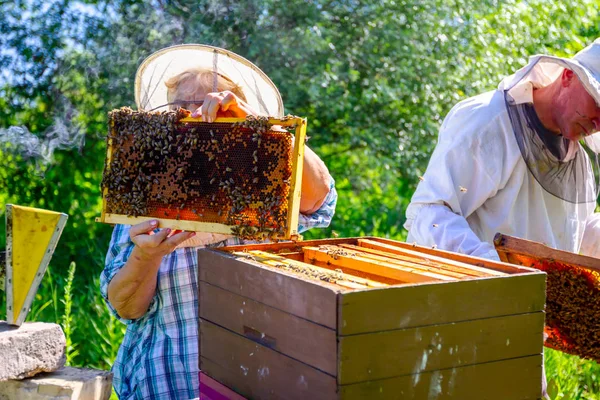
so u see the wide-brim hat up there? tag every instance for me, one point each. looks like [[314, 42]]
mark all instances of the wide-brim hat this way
[[542, 70], [151, 93]]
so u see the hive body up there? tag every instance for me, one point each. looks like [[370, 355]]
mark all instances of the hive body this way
[[355, 324]]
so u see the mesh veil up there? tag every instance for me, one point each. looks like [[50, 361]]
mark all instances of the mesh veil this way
[[562, 167], [151, 93]]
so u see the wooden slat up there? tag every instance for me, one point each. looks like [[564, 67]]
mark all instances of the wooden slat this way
[[273, 259], [296, 255], [296, 179], [414, 262], [507, 245], [315, 301], [482, 262], [404, 274], [298, 338], [415, 350], [516, 379], [409, 306], [431, 259], [193, 226], [287, 246], [257, 372], [275, 263], [272, 121], [360, 274]]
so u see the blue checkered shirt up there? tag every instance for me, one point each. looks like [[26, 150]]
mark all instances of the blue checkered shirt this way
[[158, 358]]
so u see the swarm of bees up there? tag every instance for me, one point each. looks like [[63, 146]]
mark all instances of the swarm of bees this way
[[237, 174], [571, 310]]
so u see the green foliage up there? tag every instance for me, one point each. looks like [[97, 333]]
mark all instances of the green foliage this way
[[67, 318], [570, 377], [375, 80]]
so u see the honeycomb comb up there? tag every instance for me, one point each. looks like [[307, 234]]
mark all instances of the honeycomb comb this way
[[233, 176], [572, 287]]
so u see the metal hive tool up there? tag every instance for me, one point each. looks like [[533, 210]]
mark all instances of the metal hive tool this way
[[233, 176]]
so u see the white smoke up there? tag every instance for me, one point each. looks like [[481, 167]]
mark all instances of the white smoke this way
[[64, 133]]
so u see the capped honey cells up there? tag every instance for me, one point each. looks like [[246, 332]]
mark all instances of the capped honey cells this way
[[236, 174]]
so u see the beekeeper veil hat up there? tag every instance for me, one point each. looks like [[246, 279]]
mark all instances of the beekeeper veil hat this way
[[569, 176], [151, 92], [543, 70]]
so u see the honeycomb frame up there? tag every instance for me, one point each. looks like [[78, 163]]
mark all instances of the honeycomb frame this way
[[249, 224]]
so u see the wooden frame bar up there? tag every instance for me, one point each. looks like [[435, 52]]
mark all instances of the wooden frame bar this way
[[407, 274], [430, 259]]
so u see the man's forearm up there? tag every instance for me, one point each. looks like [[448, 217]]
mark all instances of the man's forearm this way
[[131, 290], [315, 182], [436, 225]]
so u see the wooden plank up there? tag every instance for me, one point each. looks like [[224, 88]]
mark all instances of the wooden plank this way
[[315, 301], [431, 259], [415, 350], [507, 245], [434, 303], [273, 260], [297, 338], [414, 262], [296, 179], [482, 262], [192, 226], [516, 379], [360, 274], [404, 274], [272, 121], [256, 371], [309, 271], [287, 247], [295, 255]]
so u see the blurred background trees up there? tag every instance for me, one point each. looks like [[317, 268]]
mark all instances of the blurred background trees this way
[[374, 78]]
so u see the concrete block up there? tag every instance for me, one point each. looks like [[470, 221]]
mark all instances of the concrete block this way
[[65, 384], [32, 348]]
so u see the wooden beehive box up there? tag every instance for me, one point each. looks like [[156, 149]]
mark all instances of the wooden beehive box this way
[[233, 176], [573, 285], [267, 331]]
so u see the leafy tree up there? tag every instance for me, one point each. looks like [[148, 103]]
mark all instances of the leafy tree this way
[[375, 80]]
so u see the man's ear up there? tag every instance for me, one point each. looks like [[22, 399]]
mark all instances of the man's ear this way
[[567, 77]]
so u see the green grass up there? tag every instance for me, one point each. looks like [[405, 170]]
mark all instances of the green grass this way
[[570, 377]]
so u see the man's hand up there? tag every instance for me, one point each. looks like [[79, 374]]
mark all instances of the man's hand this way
[[222, 104], [155, 245]]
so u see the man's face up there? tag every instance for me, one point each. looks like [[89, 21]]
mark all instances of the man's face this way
[[579, 115]]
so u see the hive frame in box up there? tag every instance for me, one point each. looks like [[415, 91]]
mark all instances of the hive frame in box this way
[[291, 229], [268, 332], [563, 307]]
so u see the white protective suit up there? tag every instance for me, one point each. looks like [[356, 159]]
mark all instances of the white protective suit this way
[[477, 184]]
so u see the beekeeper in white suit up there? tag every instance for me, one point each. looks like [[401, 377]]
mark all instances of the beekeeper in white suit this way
[[515, 160]]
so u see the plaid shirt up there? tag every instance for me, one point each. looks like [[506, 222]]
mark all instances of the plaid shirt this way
[[158, 358]]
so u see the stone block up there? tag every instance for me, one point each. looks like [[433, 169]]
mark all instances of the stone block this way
[[32, 348], [65, 384]]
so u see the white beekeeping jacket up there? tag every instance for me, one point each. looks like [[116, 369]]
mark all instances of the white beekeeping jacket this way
[[477, 184]]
